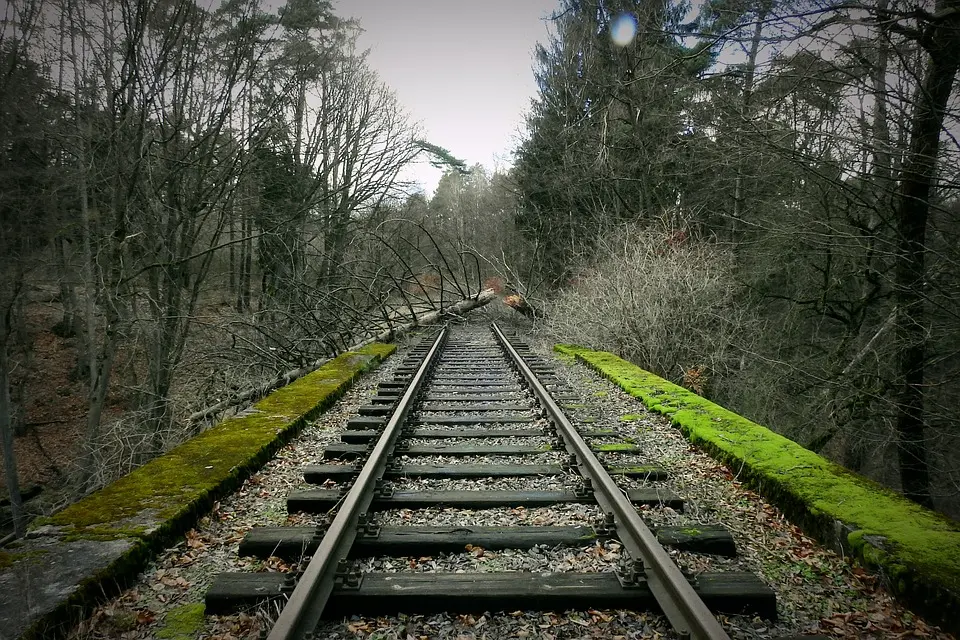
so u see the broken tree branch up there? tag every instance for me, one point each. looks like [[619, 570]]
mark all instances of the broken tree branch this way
[[391, 333]]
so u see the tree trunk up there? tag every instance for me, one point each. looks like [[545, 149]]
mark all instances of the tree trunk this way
[[881, 127], [241, 264], [159, 417], [99, 361], [6, 431], [69, 324], [245, 263], [748, 81], [231, 267], [247, 210], [919, 173]]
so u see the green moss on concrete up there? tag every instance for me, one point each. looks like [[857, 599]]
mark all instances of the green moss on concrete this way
[[175, 487], [630, 417], [183, 623], [7, 558], [918, 549]]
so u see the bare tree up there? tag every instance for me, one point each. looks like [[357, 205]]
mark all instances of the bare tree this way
[[23, 219]]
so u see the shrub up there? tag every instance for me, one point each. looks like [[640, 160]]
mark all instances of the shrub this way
[[658, 297]]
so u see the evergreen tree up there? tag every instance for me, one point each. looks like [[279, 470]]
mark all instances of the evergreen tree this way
[[607, 131]]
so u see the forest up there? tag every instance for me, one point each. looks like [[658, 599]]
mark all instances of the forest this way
[[756, 199]]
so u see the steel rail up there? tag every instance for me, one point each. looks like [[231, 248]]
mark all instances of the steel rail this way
[[686, 612], [302, 613]]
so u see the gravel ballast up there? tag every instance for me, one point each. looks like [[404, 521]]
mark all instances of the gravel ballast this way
[[817, 591]]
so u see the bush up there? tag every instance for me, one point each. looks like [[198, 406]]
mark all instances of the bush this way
[[659, 298]]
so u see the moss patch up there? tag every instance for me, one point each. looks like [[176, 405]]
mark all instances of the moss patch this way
[[174, 488], [182, 623], [8, 558], [618, 447], [630, 417], [918, 549]]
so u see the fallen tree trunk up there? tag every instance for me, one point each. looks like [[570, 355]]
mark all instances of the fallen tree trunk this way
[[255, 393], [520, 304]]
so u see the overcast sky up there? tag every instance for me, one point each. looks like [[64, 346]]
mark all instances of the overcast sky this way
[[462, 68]]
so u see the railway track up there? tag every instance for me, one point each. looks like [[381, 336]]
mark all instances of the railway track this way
[[462, 395]]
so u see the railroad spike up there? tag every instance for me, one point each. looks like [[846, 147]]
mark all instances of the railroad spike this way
[[607, 528], [289, 582], [394, 466], [585, 490], [347, 578], [629, 572], [345, 488], [366, 529], [383, 489]]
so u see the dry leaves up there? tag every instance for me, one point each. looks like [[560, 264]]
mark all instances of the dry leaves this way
[[168, 578], [242, 625]]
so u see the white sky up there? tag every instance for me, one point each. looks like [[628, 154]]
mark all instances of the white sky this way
[[462, 68]]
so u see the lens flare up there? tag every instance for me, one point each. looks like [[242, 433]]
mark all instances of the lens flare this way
[[623, 29]]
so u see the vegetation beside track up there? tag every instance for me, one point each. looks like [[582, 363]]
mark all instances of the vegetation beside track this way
[[916, 550], [139, 513], [171, 489]]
